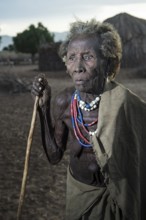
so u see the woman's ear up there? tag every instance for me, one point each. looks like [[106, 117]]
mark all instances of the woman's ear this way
[[113, 68]]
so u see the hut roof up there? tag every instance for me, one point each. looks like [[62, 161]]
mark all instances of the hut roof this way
[[133, 35], [128, 26]]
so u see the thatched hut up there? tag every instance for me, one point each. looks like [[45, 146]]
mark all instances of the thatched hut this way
[[49, 58], [133, 34]]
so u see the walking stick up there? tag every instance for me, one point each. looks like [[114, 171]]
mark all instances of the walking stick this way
[[27, 156]]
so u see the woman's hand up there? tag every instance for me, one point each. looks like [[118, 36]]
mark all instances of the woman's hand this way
[[41, 88]]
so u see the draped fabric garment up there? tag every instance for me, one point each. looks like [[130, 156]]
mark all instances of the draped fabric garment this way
[[120, 147], [87, 202]]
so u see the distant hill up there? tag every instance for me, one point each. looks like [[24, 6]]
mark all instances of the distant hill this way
[[60, 36], [5, 41]]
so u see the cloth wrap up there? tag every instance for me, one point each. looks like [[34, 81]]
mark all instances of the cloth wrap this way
[[120, 148], [86, 202]]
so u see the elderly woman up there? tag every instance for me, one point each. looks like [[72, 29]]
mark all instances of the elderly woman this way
[[102, 123]]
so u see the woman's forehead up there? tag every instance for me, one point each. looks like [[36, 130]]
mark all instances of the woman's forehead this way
[[87, 42]]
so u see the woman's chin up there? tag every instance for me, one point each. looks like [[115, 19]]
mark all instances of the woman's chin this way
[[83, 88], [88, 89]]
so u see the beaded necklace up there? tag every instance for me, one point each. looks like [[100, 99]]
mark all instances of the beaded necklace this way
[[77, 118]]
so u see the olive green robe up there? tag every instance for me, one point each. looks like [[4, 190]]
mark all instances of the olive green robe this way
[[86, 202], [120, 148]]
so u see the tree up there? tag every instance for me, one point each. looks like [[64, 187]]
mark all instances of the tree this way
[[10, 47], [32, 38]]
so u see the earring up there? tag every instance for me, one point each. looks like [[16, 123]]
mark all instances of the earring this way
[[64, 59], [108, 79]]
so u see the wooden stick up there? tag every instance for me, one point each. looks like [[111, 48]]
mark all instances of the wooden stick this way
[[27, 156]]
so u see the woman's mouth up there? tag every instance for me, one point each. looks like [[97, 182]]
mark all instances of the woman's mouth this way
[[79, 82]]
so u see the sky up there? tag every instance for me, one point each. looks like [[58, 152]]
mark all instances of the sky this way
[[56, 15]]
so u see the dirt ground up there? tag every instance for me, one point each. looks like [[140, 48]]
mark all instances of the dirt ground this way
[[45, 191]]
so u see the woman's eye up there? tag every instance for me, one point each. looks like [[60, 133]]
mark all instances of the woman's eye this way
[[71, 58], [87, 57]]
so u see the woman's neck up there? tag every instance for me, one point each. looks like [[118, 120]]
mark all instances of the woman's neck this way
[[88, 97]]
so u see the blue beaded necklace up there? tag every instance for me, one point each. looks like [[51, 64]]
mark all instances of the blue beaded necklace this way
[[77, 105]]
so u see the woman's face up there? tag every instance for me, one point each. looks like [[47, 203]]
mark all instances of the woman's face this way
[[84, 64]]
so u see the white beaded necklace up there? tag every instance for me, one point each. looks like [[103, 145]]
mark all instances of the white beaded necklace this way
[[88, 106], [92, 133]]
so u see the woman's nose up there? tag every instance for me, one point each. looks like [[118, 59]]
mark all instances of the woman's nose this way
[[79, 67]]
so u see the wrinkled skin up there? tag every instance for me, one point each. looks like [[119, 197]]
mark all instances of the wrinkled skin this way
[[85, 68]]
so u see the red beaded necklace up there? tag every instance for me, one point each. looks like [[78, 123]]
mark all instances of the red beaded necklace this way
[[77, 119]]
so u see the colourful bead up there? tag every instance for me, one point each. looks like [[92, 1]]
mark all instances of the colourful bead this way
[[77, 118]]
